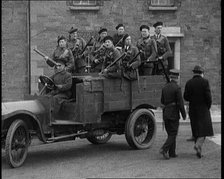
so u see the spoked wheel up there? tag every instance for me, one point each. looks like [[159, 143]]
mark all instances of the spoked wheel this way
[[17, 142], [140, 129], [100, 139], [46, 81]]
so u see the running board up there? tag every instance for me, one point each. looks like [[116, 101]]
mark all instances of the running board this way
[[64, 122], [53, 139]]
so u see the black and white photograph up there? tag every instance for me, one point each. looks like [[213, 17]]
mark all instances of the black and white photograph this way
[[111, 89]]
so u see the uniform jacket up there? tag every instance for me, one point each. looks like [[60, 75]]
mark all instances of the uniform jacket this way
[[148, 46], [172, 100], [62, 78], [163, 47], [116, 39], [76, 46], [109, 56], [197, 92], [65, 55]]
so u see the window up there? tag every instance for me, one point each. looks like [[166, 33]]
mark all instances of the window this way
[[88, 5], [84, 3], [162, 3]]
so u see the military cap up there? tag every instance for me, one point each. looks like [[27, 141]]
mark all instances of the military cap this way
[[144, 27], [174, 73], [102, 30], [119, 25], [108, 38], [198, 69], [125, 36], [61, 38], [157, 24], [72, 30]]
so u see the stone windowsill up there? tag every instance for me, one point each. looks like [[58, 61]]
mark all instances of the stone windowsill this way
[[84, 8], [160, 8]]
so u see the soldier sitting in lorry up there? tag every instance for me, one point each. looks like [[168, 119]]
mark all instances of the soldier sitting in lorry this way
[[63, 83]]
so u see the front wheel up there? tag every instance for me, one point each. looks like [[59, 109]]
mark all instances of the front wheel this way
[[140, 129], [17, 142]]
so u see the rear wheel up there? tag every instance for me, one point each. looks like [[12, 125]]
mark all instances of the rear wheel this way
[[140, 129], [100, 139], [17, 142]]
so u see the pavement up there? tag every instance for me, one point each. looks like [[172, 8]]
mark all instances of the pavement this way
[[215, 114]]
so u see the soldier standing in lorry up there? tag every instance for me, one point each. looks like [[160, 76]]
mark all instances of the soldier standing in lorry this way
[[118, 37], [62, 53], [132, 60], [163, 48], [148, 47], [77, 44]]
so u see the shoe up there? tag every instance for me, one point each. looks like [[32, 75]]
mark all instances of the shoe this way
[[198, 151], [174, 156], [165, 154], [190, 139]]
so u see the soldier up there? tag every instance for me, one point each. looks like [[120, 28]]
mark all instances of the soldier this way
[[98, 51], [77, 44], [148, 46], [63, 53], [173, 103], [198, 93], [163, 48], [132, 60], [111, 54], [63, 82], [118, 36]]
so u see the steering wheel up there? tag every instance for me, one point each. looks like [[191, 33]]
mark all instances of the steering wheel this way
[[46, 81]]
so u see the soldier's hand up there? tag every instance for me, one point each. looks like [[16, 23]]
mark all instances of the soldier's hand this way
[[96, 61], [59, 86], [160, 57], [105, 70], [46, 58]]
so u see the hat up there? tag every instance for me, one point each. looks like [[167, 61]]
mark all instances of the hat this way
[[108, 38], [157, 24], [119, 25], [198, 69], [61, 38], [144, 27], [174, 73], [125, 36], [72, 30], [102, 30]]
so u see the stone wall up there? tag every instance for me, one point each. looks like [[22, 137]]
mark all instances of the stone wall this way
[[199, 21], [15, 75]]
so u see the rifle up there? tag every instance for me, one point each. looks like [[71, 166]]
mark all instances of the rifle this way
[[52, 62], [119, 41], [115, 61], [83, 50], [132, 60]]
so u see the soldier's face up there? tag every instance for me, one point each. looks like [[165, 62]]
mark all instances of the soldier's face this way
[[103, 34], [74, 35], [62, 43], [120, 31], [128, 41], [158, 29], [108, 44], [145, 33], [59, 67]]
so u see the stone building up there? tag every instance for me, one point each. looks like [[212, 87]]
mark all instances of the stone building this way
[[193, 28]]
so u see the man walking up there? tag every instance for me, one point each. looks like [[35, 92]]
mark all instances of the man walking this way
[[173, 104], [197, 92]]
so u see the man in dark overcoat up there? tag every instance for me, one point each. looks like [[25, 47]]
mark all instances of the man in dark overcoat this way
[[197, 92], [173, 103]]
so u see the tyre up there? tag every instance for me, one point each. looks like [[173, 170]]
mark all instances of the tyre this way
[[17, 142], [140, 129], [100, 139]]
